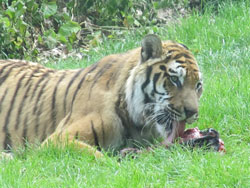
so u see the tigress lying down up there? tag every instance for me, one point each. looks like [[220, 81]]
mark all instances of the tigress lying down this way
[[122, 100]]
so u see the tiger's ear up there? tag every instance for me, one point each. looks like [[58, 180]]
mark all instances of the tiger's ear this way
[[151, 47]]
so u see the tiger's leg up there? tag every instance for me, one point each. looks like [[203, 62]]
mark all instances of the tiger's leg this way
[[84, 133], [63, 140]]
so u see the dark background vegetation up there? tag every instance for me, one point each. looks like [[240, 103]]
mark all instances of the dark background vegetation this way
[[30, 27]]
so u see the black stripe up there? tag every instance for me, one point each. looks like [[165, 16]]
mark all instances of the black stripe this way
[[3, 97], [53, 104], [114, 74], [173, 50], [95, 136], [162, 67], [173, 109], [195, 70], [30, 77], [166, 60], [7, 142], [77, 89], [98, 75], [24, 134], [177, 56], [172, 71], [103, 132], [152, 94], [166, 75], [147, 99], [76, 135], [68, 87], [80, 84], [191, 61], [4, 67], [92, 68], [184, 46], [181, 62], [21, 107], [178, 83], [111, 77], [3, 78], [148, 73], [44, 135], [155, 79], [174, 46], [37, 84], [165, 84], [20, 70], [67, 119], [38, 119], [17, 88], [122, 115], [12, 102], [40, 95], [182, 66]]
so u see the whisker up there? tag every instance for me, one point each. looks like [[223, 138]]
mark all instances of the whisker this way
[[172, 111], [160, 114]]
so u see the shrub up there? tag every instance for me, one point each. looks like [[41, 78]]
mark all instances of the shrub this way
[[28, 27]]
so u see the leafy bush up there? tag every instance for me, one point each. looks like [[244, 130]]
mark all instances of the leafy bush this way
[[28, 24], [28, 27]]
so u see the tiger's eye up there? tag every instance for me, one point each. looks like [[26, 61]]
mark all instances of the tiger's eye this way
[[174, 79]]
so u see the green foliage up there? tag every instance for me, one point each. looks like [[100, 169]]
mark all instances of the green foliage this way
[[28, 24], [28, 27], [119, 12], [48, 9]]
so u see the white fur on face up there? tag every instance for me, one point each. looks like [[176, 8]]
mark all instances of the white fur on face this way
[[134, 96], [180, 72]]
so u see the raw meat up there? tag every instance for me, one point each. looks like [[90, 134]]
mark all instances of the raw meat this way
[[196, 137]]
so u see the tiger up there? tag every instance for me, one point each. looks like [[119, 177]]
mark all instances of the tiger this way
[[124, 100]]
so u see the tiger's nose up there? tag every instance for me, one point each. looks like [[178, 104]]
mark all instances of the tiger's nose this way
[[189, 112]]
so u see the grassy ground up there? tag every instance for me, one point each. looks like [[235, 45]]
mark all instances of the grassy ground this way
[[221, 43]]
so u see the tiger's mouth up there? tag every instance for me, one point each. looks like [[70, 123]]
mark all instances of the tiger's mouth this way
[[177, 131], [179, 128]]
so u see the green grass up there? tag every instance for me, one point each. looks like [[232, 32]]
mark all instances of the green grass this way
[[221, 43]]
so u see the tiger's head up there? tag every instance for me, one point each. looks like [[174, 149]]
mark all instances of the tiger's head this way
[[164, 88]]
